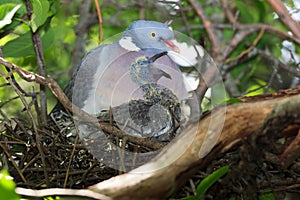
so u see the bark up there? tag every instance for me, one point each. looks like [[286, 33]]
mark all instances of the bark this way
[[253, 119]]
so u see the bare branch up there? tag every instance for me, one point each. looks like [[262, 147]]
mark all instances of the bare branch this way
[[37, 44], [80, 31], [163, 181], [209, 29], [285, 17], [100, 21]]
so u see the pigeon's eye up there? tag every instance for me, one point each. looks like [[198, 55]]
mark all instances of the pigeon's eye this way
[[153, 34]]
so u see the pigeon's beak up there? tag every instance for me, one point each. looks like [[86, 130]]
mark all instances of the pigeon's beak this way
[[170, 44]]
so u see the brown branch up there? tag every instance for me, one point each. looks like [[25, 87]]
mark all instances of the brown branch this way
[[229, 15], [289, 69], [158, 182], [28, 109], [11, 159], [255, 52], [37, 44], [285, 17], [100, 21], [209, 29], [70, 161], [291, 152], [249, 49], [252, 28], [80, 30]]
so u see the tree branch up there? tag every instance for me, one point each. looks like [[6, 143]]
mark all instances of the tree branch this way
[[37, 44], [158, 182], [285, 17], [209, 29]]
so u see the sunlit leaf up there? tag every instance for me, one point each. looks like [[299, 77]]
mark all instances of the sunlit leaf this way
[[22, 46], [7, 186], [7, 12], [40, 13]]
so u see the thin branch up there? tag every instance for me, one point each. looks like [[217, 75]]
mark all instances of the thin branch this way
[[244, 31], [209, 29], [285, 17], [13, 163], [249, 49], [28, 109], [100, 21], [38, 48], [84, 21], [229, 15], [70, 161], [289, 69], [255, 52]]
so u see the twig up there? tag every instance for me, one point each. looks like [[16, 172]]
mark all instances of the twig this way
[[229, 15], [291, 152], [293, 71], [211, 72], [252, 28], [28, 109], [70, 161], [38, 48], [209, 29], [245, 52], [285, 17], [277, 62], [80, 30], [14, 163], [100, 21]]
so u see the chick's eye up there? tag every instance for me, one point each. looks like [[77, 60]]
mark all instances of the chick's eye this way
[[153, 34]]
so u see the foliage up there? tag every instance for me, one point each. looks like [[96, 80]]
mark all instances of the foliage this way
[[7, 186], [206, 183]]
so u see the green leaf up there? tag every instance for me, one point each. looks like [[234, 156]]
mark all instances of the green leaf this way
[[40, 10], [268, 196], [246, 14], [22, 46], [233, 100], [7, 12], [206, 183], [7, 186]]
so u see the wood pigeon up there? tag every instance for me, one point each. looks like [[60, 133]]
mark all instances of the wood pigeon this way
[[159, 114], [103, 78]]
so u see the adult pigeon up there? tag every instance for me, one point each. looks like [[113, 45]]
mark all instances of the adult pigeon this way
[[103, 79], [159, 114]]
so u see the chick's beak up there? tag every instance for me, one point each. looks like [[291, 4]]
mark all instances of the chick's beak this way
[[170, 44]]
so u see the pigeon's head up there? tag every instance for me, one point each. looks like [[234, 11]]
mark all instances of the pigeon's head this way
[[145, 35]]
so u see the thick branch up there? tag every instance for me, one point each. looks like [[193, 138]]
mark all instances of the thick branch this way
[[241, 121]]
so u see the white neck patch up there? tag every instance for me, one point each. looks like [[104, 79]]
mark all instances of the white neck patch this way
[[126, 43]]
